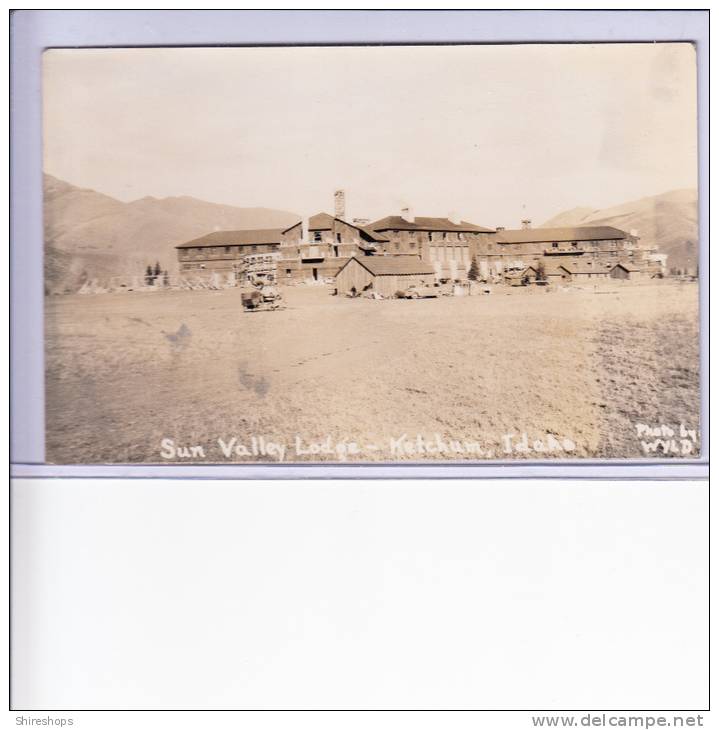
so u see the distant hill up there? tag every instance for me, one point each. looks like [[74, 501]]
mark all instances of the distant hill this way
[[668, 221], [90, 235]]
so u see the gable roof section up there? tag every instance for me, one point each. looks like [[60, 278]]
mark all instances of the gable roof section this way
[[317, 222], [393, 265], [372, 235], [550, 270], [236, 238], [521, 273], [321, 222], [397, 223], [325, 222], [547, 235]]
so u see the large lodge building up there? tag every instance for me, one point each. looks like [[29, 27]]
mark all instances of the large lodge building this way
[[315, 249]]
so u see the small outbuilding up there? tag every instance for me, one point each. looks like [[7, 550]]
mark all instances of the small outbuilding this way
[[585, 270], [384, 275], [555, 274], [523, 277], [625, 272]]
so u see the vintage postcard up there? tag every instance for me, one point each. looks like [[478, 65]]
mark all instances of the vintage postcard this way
[[371, 254]]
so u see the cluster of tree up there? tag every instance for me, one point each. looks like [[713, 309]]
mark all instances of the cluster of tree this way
[[541, 271], [473, 273], [152, 274]]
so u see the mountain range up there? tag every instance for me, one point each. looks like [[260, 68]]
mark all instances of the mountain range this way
[[90, 235]]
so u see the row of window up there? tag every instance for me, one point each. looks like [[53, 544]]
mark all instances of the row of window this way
[[449, 253], [576, 244], [434, 235], [317, 238], [216, 250]]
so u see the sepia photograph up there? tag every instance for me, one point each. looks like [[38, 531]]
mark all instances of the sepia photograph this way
[[393, 254]]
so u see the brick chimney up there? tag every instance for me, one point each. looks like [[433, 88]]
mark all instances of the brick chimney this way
[[305, 230], [340, 204], [408, 215]]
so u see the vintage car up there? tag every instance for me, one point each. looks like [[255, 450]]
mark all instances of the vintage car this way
[[261, 298], [415, 291]]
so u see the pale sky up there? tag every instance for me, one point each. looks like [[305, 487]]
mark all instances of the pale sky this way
[[494, 133]]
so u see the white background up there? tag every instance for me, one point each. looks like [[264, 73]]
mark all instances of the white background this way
[[573, 596], [178, 594]]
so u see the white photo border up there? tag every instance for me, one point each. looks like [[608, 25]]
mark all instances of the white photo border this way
[[33, 31]]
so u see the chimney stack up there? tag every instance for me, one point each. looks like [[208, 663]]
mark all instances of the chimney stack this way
[[526, 223], [340, 204], [408, 215], [499, 228], [305, 230]]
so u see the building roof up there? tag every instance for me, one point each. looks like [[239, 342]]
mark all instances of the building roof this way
[[317, 222], [547, 235], [521, 273], [321, 222], [373, 235], [325, 222], [397, 223], [393, 265], [626, 267], [552, 270], [236, 238]]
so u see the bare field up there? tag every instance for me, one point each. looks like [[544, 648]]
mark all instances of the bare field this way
[[364, 380]]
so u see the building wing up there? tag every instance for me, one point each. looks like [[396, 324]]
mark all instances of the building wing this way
[[547, 235], [236, 238]]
